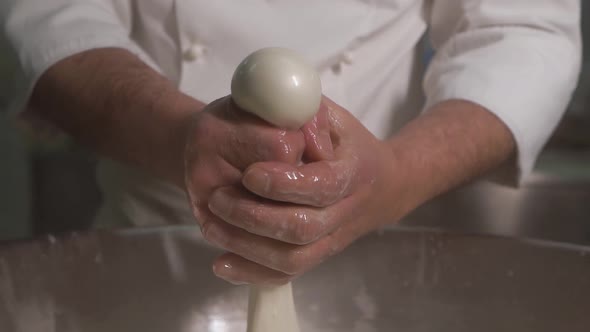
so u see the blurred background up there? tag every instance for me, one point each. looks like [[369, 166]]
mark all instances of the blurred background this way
[[47, 182]]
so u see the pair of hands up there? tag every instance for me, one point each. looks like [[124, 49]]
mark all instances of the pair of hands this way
[[282, 201]]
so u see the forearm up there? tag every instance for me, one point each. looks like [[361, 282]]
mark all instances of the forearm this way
[[111, 101], [453, 143]]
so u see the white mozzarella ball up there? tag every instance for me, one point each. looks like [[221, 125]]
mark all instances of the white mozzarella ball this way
[[279, 86]]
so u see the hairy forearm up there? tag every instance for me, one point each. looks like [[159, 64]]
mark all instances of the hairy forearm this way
[[111, 101], [453, 143]]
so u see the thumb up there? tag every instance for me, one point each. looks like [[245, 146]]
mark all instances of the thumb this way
[[318, 142]]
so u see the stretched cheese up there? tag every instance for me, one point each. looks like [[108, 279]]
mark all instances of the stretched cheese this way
[[279, 86], [272, 309]]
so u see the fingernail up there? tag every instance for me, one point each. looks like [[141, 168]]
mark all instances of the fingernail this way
[[221, 204], [214, 234], [224, 271], [257, 180]]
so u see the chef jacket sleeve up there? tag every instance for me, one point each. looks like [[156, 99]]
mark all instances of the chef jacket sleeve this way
[[36, 34], [518, 59]]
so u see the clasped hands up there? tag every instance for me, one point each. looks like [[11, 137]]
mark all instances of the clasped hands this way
[[282, 201]]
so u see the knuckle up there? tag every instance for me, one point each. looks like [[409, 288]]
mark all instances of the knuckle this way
[[205, 227], [336, 184], [213, 234], [310, 226], [279, 151], [285, 149], [304, 232]]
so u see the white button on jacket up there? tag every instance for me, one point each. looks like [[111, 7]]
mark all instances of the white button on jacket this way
[[194, 52], [519, 59]]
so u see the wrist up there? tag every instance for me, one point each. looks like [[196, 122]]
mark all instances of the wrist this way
[[402, 182], [451, 144], [172, 149]]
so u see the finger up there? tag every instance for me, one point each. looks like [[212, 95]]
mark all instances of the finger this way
[[238, 271], [273, 254], [283, 257], [341, 121], [289, 223], [317, 184], [240, 138], [318, 143], [253, 140], [202, 179]]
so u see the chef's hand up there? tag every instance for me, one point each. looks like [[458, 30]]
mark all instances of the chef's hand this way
[[222, 141], [285, 219]]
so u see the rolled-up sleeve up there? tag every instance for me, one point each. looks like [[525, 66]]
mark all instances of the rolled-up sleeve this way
[[518, 59], [37, 34]]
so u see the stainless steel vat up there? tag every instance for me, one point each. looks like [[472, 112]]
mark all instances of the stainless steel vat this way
[[407, 280]]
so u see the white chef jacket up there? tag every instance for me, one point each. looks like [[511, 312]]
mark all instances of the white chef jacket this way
[[520, 59]]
